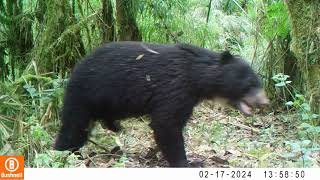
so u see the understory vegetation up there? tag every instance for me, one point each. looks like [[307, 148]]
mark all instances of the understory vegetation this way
[[41, 41]]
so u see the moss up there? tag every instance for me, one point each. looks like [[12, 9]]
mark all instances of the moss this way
[[60, 43], [305, 23]]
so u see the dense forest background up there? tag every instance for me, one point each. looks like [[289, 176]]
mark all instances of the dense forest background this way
[[40, 42]]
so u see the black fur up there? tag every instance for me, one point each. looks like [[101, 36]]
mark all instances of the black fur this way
[[130, 79]]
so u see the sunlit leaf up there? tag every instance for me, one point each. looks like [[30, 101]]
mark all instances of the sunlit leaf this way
[[289, 103], [314, 116], [280, 84]]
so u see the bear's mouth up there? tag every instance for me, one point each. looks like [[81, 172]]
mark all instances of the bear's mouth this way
[[244, 107], [254, 99]]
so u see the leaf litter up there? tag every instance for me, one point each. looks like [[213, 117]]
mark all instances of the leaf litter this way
[[219, 137]]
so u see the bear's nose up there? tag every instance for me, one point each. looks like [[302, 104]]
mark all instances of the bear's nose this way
[[265, 101], [262, 99]]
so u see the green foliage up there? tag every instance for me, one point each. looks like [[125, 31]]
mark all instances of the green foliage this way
[[156, 22], [275, 21], [234, 6], [308, 127], [281, 80], [29, 108], [55, 159], [121, 162], [299, 102], [302, 150]]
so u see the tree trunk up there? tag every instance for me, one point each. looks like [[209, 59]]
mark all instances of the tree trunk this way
[[305, 24], [60, 45], [108, 29], [126, 21]]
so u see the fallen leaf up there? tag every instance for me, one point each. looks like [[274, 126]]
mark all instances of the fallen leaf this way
[[148, 77], [140, 57]]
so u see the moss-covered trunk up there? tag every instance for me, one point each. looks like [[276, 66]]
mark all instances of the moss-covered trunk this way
[[126, 21], [60, 43], [305, 23]]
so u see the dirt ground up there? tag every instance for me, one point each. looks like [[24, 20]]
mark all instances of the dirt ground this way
[[219, 137]]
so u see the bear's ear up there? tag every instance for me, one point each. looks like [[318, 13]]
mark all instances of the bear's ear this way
[[226, 57]]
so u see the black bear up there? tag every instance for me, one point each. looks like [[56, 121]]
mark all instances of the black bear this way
[[131, 79]]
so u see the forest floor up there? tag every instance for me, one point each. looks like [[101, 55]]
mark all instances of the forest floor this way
[[218, 137]]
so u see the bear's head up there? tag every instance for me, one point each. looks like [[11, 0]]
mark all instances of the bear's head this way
[[240, 85]]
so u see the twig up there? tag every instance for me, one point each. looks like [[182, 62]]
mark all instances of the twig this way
[[209, 9], [47, 114], [91, 160], [7, 118]]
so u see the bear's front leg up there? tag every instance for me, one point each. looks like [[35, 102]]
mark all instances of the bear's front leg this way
[[167, 121], [171, 143]]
